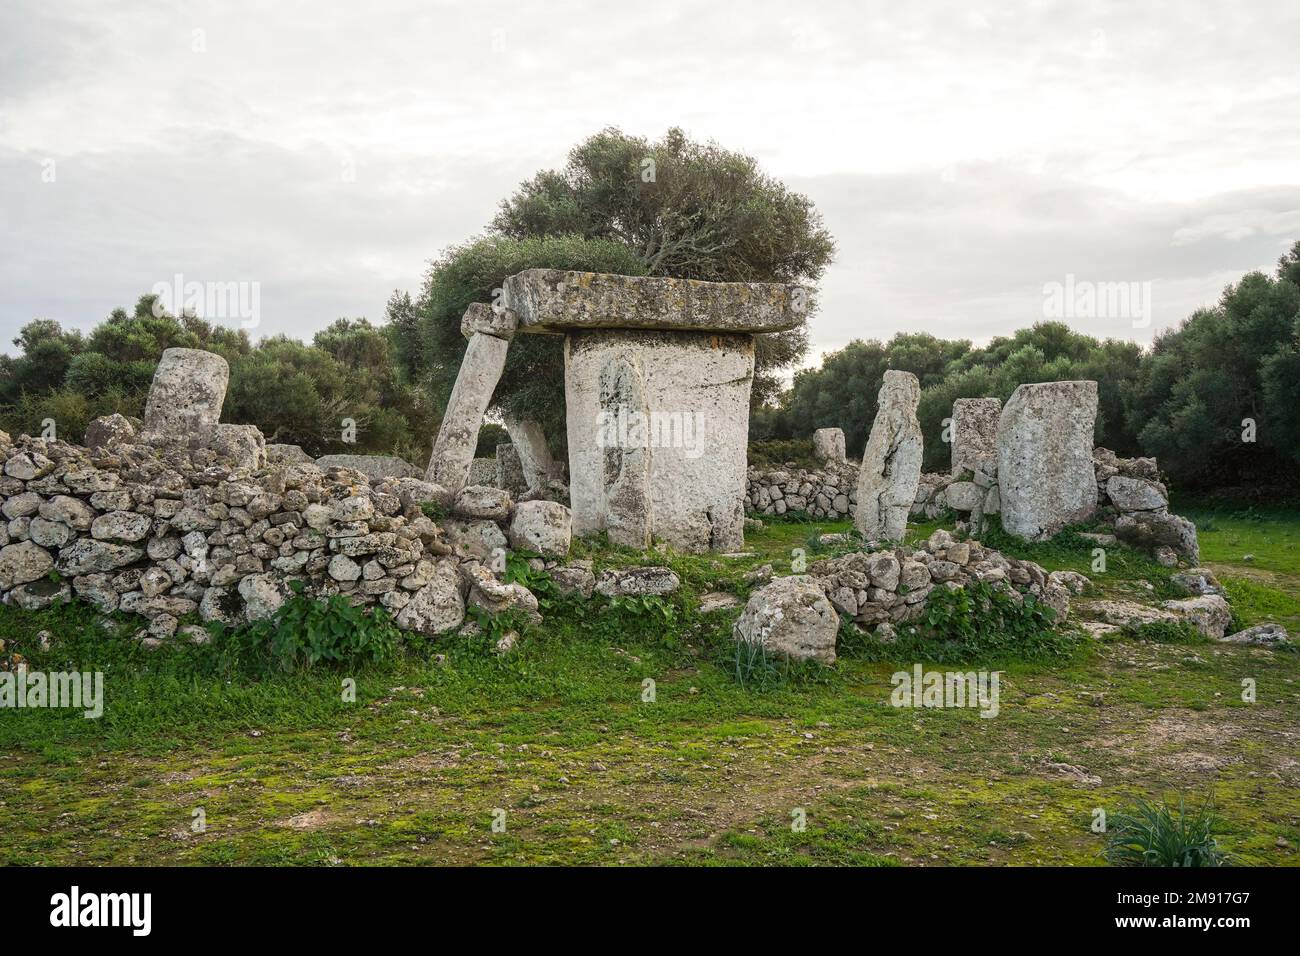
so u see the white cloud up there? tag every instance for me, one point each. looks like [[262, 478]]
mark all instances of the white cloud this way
[[961, 159]]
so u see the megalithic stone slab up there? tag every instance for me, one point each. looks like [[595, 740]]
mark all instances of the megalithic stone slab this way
[[658, 425], [534, 454], [891, 463], [975, 435], [453, 449], [184, 404], [552, 300], [829, 446], [1045, 472]]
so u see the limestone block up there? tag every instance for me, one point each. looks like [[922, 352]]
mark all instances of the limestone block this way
[[453, 449], [480, 317], [829, 447], [534, 454], [374, 467], [184, 404], [975, 435], [1045, 469], [891, 463], [551, 300], [790, 617], [657, 429]]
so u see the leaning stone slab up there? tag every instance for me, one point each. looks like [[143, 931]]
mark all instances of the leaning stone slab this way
[[184, 404], [453, 449], [534, 454], [551, 300], [891, 463], [1045, 471], [975, 435]]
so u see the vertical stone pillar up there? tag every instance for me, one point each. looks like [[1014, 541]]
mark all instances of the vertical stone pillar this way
[[185, 399], [891, 463], [1046, 478], [829, 447], [489, 332], [975, 435]]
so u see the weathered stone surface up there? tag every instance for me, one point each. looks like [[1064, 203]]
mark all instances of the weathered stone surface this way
[[23, 562], [1124, 613], [790, 617], [1152, 529], [374, 467], [634, 582], [453, 449], [40, 594], [1261, 635], [510, 471], [21, 505], [263, 594], [534, 453], [88, 556], [189, 388], [73, 512], [343, 568], [243, 445], [1045, 470], [281, 454], [1135, 494], [489, 320], [479, 501], [1209, 613], [553, 300], [438, 606], [108, 431], [891, 463], [829, 446], [497, 597], [121, 526], [975, 435], [477, 539], [1196, 581], [542, 526], [49, 534], [657, 427], [574, 579], [963, 496]]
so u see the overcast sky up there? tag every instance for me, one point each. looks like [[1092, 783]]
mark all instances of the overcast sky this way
[[964, 156]]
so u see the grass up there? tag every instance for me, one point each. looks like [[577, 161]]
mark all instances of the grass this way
[[814, 767]]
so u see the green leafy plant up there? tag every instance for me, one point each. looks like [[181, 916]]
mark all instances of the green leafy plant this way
[[305, 632], [1148, 834], [980, 619], [1163, 632]]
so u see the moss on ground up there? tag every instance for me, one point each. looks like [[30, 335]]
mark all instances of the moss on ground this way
[[560, 738]]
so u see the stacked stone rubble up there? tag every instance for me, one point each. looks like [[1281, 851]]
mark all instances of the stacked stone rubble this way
[[829, 493]]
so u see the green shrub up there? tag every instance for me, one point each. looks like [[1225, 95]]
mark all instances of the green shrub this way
[[778, 452], [1151, 835], [305, 632], [1163, 632]]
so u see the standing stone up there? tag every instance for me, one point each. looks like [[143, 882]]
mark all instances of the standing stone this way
[[829, 447], [184, 404], [975, 435], [510, 470], [658, 373], [891, 464], [533, 451], [1045, 472], [657, 425], [489, 333]]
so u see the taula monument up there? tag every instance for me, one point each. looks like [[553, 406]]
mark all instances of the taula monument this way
[[657, 381]]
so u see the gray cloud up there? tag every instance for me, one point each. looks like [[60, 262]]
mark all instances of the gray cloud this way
[[962, 157]]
